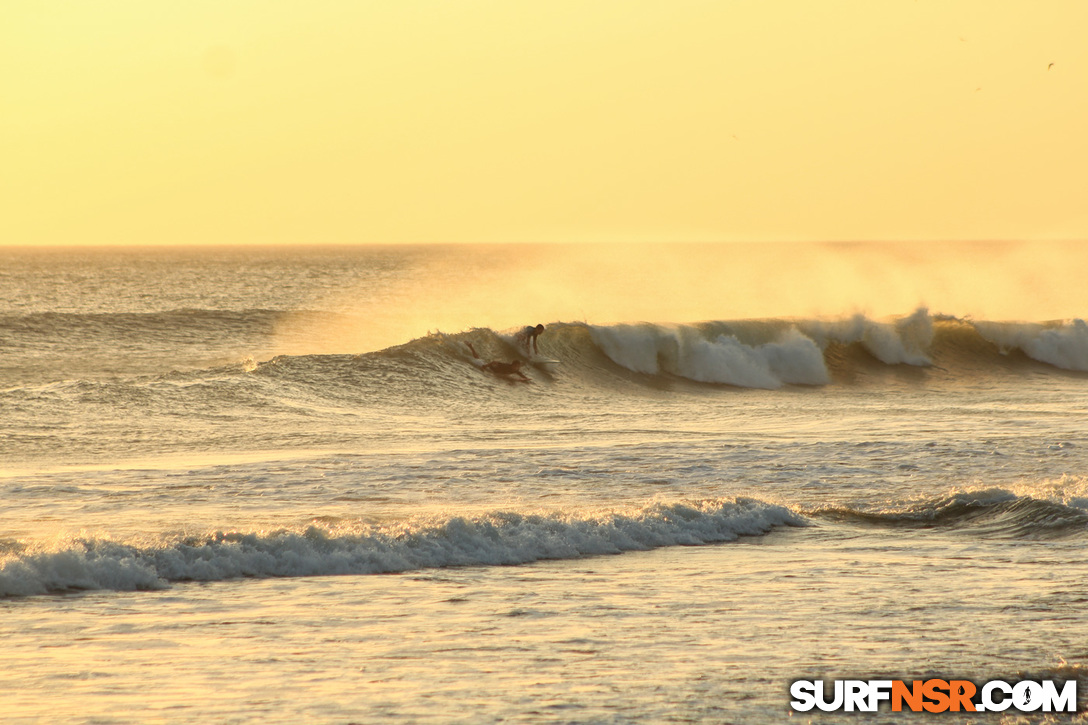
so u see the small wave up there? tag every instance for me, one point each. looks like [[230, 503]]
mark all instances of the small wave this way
[[989, 512], [496, 539]]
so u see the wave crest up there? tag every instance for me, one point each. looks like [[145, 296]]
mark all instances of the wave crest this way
[[987, 512]]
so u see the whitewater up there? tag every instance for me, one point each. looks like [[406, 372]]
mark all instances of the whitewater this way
[[245, 484]]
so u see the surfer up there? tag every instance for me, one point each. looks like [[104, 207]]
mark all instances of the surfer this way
[[527, 338], [497, 367]]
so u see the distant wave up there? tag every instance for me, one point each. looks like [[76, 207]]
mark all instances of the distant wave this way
[[496, 539], [136, 325], [988, 512]]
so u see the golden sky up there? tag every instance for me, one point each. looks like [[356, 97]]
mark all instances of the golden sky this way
[[371, 121]]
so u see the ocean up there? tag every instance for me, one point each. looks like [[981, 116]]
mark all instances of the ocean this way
[[275, 485]]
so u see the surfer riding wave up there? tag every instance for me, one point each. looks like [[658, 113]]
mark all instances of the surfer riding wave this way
[[526, 339]]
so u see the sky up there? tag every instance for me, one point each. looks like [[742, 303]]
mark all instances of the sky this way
[[416, 121]]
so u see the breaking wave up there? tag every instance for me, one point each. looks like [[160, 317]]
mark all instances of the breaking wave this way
[[496, 539], [769, 354], [1061, 345], [758, 354]]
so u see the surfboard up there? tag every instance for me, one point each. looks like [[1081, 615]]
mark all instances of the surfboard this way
[[543, 361]]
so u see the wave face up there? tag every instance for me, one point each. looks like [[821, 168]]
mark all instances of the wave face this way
[[496, 539]]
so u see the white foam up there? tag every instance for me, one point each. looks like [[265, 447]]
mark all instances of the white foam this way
[[1064, 346], [499, 538], [796, 358], [635, 347], [901, 342], [686, 352], [1067, 490]]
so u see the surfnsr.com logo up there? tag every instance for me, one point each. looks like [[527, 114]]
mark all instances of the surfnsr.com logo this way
[[934, 696]]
